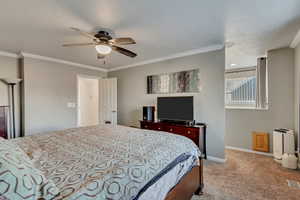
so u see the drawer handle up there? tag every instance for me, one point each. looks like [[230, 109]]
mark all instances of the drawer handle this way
[[146, 126], [189, 132], [158, 128], [171, 129]]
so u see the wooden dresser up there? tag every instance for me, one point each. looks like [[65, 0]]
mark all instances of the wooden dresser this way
[[195, 133], [3, 121]]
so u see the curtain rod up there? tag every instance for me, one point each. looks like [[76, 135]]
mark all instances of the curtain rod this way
[[248, 69]]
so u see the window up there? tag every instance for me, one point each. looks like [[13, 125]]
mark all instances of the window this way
[[247, 87], [240, 89]]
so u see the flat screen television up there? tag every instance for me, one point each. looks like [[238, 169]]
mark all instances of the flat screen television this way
[[175, 108]]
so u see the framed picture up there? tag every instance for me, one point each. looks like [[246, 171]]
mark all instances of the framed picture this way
[[178, 82]]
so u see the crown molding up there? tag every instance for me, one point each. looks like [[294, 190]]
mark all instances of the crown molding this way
[[296, 40], [178, 55], [8, 54], [29, 55]]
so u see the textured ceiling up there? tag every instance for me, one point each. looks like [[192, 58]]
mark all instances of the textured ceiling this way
[[160, 27]]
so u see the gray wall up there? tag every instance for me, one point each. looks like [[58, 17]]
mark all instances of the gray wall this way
[[241, 123], [209, 103], [48, 87], [9, 68]]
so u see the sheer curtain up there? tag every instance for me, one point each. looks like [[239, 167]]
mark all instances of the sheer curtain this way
[[262, 101], [240, 90]]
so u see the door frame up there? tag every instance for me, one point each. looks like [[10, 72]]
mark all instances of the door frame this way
[[79, 76]]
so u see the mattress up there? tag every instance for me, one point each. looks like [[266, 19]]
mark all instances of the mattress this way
[[112, 162]]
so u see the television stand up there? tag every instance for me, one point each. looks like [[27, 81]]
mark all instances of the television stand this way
[[196, 133]]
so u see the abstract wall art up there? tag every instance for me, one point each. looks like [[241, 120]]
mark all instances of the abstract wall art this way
[[178, 82]]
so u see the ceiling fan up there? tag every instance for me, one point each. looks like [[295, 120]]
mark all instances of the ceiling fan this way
[[104, 43]]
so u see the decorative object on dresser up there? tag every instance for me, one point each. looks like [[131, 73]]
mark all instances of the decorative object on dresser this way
[[178, 82], [148, 113], [3, 121], [196, 133], [12, 82]]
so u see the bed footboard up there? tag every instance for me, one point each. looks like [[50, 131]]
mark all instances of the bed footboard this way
[[191, 184], [201, 181]]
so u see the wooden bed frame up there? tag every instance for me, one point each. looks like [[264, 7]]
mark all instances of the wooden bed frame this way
[[191, 183]]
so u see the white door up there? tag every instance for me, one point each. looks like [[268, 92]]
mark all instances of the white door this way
[[108, 101], [88, 101]]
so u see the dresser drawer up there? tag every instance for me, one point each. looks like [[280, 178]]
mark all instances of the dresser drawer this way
[[191, 132], [146, 126], [157, 127], [196, 133], [151, 126], [174, 129]]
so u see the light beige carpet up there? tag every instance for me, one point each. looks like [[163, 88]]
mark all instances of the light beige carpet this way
[[247, 176], [213, 194]]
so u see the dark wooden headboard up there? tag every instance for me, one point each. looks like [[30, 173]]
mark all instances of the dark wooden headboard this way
[[3, 121]]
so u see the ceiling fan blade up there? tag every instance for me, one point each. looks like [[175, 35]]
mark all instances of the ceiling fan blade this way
[[123, 41], [78, 44], [124, 51], [89, 35], [100, 56]]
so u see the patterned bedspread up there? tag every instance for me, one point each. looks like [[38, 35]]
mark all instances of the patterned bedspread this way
[[107, 162]]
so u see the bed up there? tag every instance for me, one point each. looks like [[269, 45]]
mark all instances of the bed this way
[[116, 162]]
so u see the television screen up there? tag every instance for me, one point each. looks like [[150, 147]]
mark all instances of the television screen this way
[[175, 108]]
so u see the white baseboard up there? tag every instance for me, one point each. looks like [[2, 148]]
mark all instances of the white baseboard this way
[[216, 159], [248, 151]]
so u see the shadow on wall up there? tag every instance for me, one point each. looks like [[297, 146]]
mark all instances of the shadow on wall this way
[[136, 116]]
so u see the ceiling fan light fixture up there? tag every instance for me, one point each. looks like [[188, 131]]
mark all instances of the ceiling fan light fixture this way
[[104, 43], [103, 49]]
